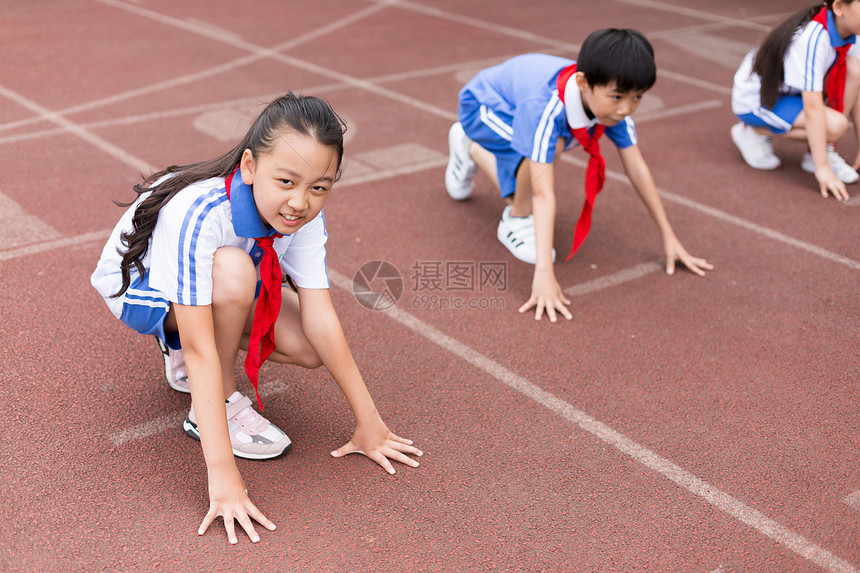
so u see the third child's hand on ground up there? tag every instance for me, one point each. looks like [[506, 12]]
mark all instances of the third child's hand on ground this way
[[378, 443], [828, 182], [676, 252], [229, 499], [547, 296]]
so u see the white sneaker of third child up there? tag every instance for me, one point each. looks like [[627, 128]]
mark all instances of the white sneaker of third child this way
[[843, 171], [756, 149]]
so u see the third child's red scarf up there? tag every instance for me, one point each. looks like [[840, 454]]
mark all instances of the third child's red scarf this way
[[595, 174], [835, 88]]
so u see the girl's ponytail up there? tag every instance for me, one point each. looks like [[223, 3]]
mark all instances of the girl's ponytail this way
[[769, 60], [306, 115]]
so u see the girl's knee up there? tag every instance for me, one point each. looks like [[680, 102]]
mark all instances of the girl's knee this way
[[837, 123], [234, 277]]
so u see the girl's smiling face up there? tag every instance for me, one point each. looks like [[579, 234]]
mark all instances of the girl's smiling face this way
[[292, 182], [847, 17]]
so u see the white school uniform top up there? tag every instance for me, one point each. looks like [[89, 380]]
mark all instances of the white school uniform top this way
[[810, 55], [195, 223]]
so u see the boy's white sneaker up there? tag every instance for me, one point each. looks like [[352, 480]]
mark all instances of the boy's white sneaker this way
[[460, 173], [517, 234], [757, 150], [252, 436], [843, 171]]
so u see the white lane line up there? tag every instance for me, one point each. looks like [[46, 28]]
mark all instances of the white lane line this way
[[69, 126], [72, 241], [262, 52], [614, 279], [221, 69], [853, 201], [854, 500], [147, 429], [689, 80], [698, 14], [684, 479], [732, 219], [481, 24], [175, 419], [677, 111], [18, 227]]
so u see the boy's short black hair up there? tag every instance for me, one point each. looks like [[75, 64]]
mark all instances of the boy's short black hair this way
[[625, 57]]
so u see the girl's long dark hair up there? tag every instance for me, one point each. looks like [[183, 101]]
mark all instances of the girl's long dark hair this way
[[770, 58], [305, 115]]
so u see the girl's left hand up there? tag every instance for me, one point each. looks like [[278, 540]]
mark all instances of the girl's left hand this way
[[378, 443], [829, 183], [676, 252]]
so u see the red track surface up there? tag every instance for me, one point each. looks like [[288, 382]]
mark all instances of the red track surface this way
[[676, 424]]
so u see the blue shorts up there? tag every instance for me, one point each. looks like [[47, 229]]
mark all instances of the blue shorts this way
[[779, 119], [493, 132], [144, 310]]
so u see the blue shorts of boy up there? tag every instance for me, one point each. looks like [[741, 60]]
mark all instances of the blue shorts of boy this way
[[512, 110], [779, 119]]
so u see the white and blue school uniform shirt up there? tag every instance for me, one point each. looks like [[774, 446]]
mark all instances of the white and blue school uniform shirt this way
[[195, 223], [809, 57], [513, 110]]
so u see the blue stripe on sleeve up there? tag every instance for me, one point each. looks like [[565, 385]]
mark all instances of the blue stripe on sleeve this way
[[211, 200]]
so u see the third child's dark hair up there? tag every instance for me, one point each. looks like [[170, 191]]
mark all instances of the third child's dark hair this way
[[769, 60], [305, 115], [625, 57]]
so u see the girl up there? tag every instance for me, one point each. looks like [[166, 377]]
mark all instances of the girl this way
[[779, 89], [185, 263]]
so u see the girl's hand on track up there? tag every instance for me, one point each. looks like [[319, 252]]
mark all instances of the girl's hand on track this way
[[229, 499], [378, 443]]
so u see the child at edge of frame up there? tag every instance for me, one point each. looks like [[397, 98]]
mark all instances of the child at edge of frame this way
[[515, 120], [803, 82], [202, 257]]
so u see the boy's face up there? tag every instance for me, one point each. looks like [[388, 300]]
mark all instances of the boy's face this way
[[606, 103]]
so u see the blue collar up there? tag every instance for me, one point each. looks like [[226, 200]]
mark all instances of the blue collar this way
[[246, 219], [835, 39]]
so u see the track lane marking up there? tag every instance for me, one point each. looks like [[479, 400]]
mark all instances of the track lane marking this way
[[732, 219], [854, 500], [687, 481], [698, 487], [620, 277], [174, 419]]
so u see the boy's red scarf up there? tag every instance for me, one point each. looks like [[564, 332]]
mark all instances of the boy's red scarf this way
[[595, 174], [835, 88], [262, 340]]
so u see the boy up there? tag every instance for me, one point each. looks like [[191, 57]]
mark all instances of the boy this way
[[516, 119]]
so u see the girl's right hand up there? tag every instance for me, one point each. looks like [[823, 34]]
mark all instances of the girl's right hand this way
[[229, 499], [547, 296], [827, 181]]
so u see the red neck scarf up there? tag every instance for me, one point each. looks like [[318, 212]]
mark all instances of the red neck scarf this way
[[262, 341], [835, 88], [595, 174]]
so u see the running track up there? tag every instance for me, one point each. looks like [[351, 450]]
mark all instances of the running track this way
[[676, 424]]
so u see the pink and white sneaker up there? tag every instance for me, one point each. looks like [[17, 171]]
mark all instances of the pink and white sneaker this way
[[252, 436], [174, 368]]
